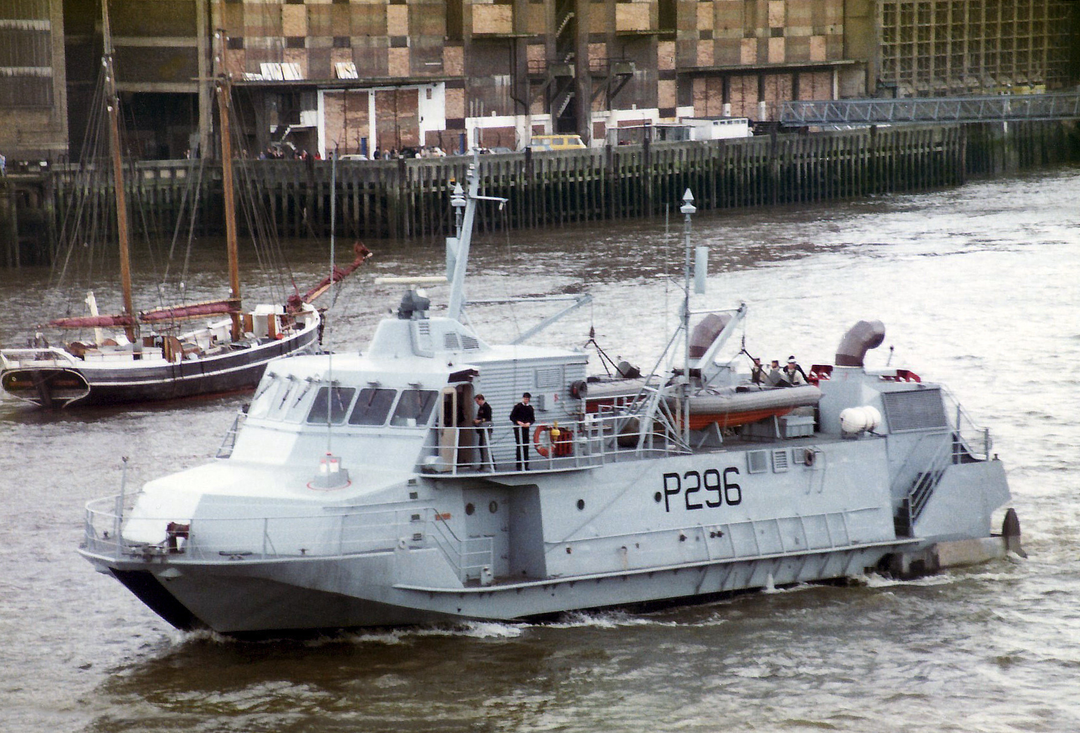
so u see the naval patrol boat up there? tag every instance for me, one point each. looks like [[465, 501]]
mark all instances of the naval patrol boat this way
[[357, 490]]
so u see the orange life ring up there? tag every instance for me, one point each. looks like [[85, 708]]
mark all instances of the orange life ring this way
[[543, 450]]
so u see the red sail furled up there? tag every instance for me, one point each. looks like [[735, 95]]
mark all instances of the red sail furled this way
[[119, 321], [195, 310], [340, 273], [157, 315]]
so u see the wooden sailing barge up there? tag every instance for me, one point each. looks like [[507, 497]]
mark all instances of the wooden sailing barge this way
[[145, 356]]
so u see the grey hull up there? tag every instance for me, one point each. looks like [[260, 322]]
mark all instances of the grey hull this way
[[310, 596]]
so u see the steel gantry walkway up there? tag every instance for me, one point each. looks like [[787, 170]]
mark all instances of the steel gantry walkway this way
[[942, 109]]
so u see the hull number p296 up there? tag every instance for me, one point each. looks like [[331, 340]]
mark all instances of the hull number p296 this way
[[709, 488]]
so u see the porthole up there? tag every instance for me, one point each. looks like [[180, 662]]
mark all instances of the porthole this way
[[470, 509], [493, 507], [580, 504]]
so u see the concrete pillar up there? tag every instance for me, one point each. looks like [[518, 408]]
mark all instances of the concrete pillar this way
[[862, 38], [583, 79]]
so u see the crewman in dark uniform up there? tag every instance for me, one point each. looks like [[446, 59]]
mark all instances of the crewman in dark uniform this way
[[482, 423], [523, 417]]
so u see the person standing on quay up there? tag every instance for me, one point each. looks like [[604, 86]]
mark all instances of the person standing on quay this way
[[523, 417]]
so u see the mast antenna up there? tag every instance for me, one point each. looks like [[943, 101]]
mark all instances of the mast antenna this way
[[688, 209]]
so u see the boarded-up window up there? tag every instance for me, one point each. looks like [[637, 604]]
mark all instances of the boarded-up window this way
[[455, 25], [397, 118], [667, 15]]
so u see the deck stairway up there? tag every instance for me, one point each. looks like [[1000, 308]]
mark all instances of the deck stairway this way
[[962, 442], [916, 500]]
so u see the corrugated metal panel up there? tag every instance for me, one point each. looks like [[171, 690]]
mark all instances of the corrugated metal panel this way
[[25, 54], [25, 9], [914, 410], [502, 386], [25, 47]]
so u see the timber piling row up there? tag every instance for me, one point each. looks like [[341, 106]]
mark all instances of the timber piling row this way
[[399, 199], [409, 198]]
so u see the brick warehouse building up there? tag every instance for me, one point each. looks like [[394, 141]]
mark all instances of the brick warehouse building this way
[[398, 74], [360, 74]]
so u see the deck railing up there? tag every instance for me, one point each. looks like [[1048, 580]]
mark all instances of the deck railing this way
[[38, 357], [316, 534], [971, 439], [228, 443], [585, 442]]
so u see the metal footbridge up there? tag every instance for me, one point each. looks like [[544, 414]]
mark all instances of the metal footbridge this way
[[933, 110]]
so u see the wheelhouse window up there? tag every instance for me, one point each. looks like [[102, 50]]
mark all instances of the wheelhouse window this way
[[331, 405], [372, 406], [414, 408]]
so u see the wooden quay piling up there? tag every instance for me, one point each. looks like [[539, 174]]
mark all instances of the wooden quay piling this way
[[27, 215], [409, 198]]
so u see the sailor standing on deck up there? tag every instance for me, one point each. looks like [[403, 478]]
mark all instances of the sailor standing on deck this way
[[793, 373], [775, 377], [523, 417], [482, 423], [757, 372]]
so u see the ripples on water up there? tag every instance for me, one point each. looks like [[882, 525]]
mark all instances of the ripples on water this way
[[977, 287]]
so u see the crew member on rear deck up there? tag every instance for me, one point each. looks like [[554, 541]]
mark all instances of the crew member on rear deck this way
[[776, 377], [523, 417], [482, 423], [793, 373], [757, 372]]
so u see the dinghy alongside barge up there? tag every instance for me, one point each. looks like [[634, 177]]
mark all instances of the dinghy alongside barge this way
[[358, 493]]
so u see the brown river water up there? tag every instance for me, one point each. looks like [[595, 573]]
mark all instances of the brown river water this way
[[979, 287]]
